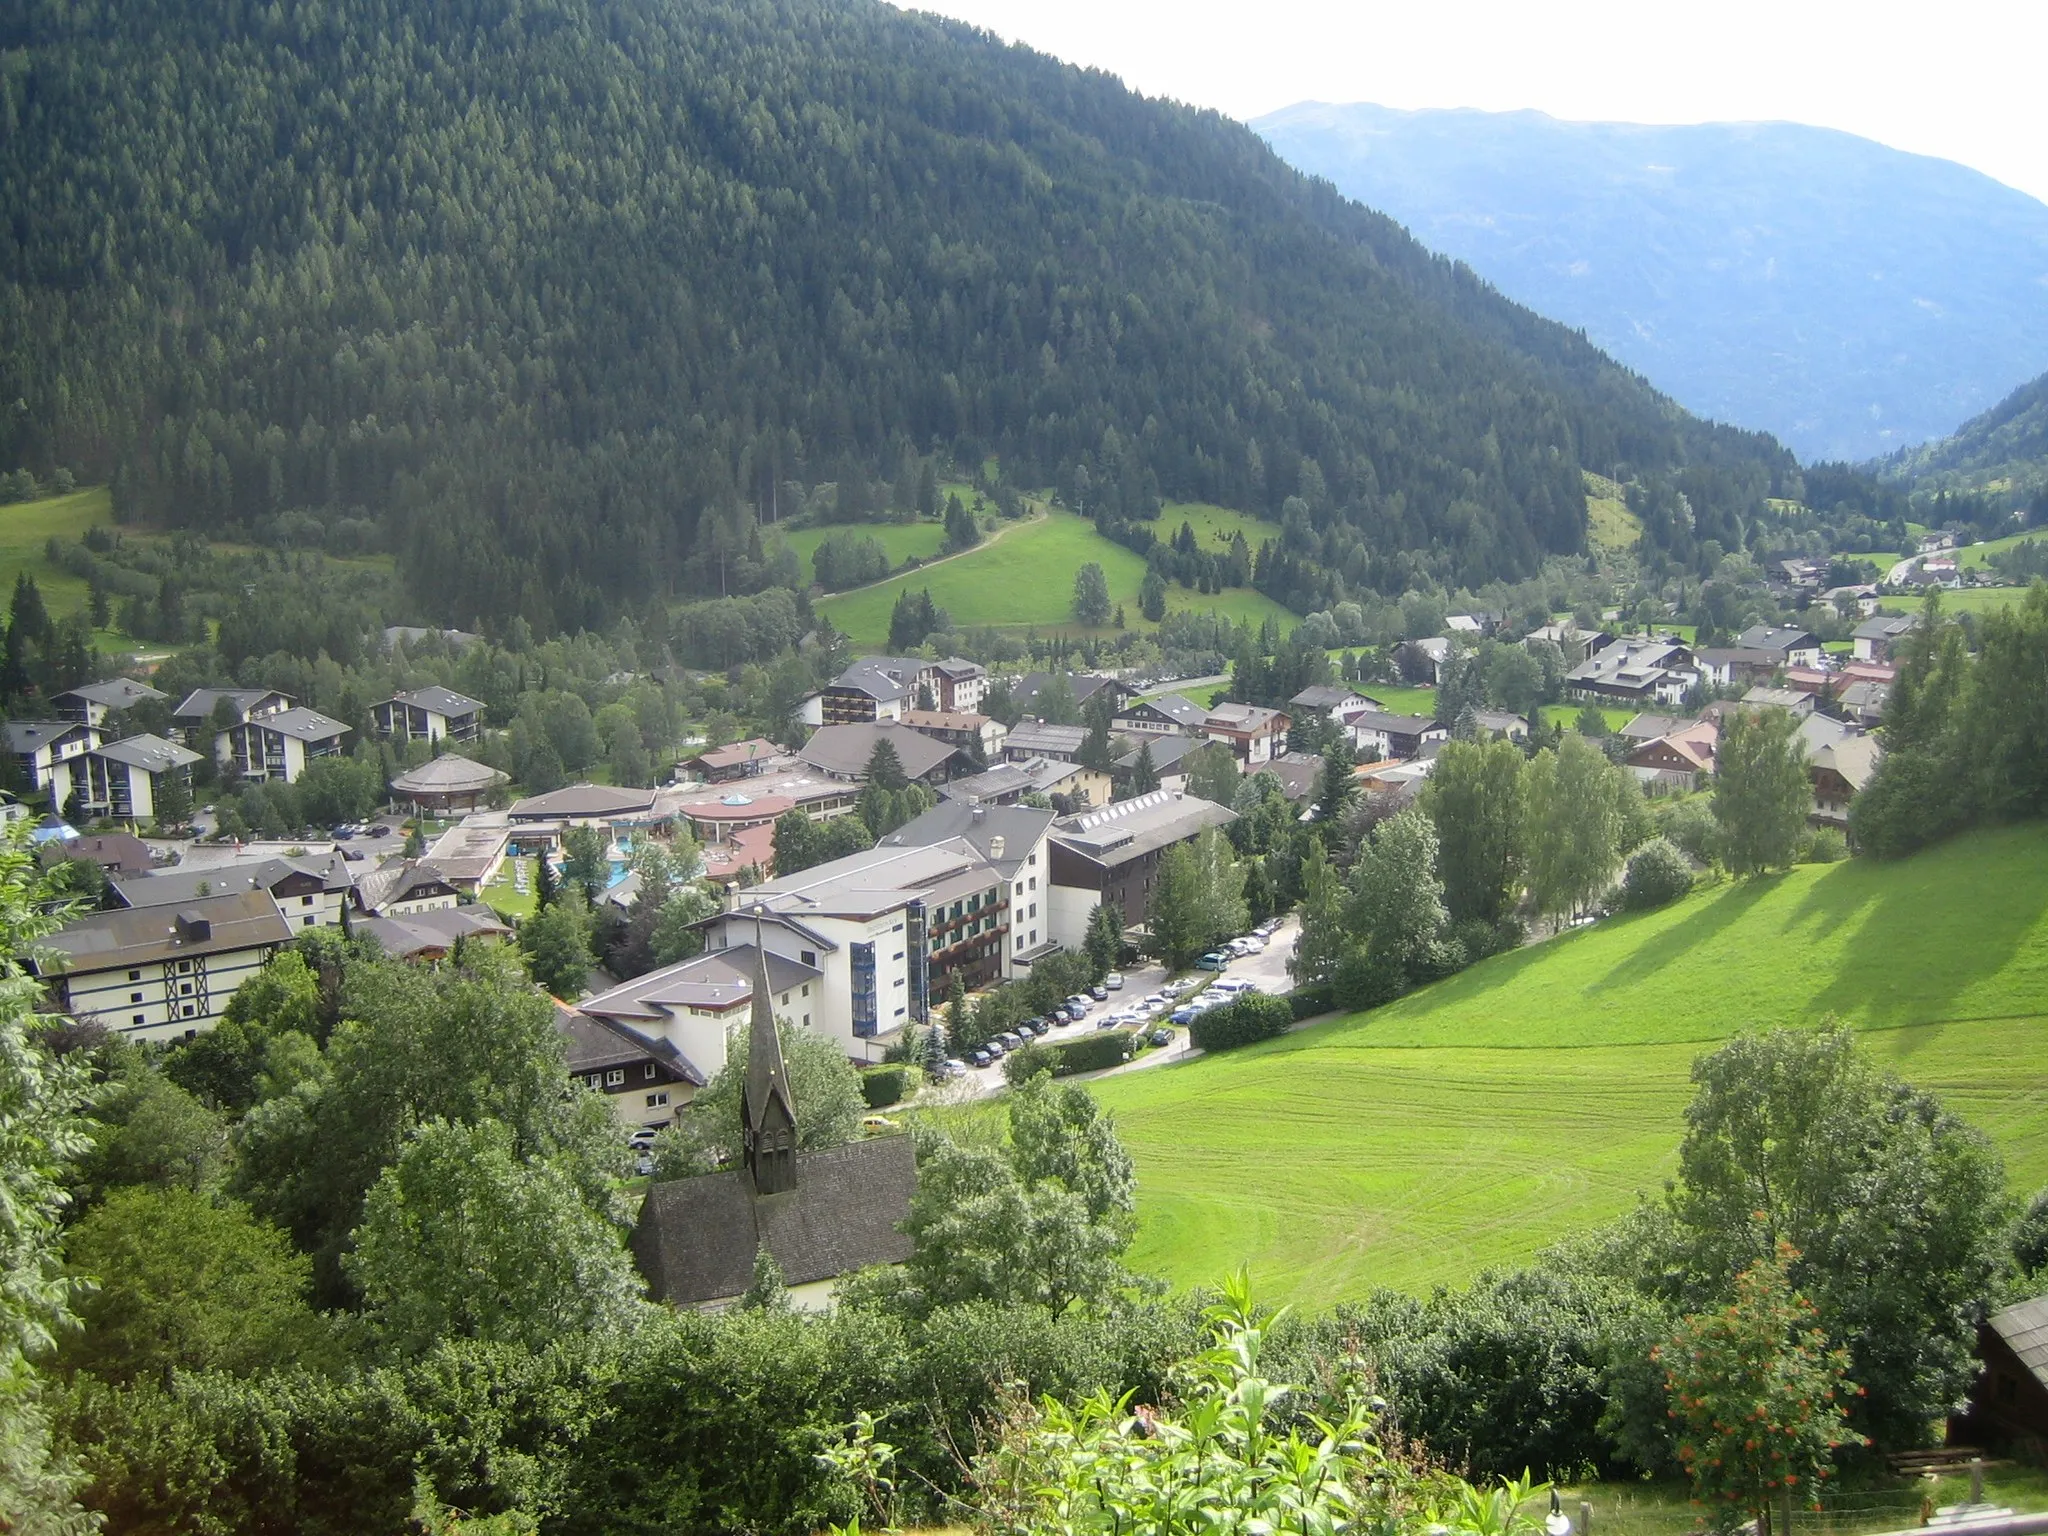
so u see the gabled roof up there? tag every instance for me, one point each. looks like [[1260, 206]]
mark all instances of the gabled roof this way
[[406, 879], [130, 936], [1855, 758], [2023, 1327], [1028, 736], [198, 705], [1007, 781], [733, 754], [1649, 727], [944, 720], [1392, 725], [152, 754], [171, 887], [1886, 626], [1182, 711], [1168, 749], [583, 802], [1020, 827], [844, 750], [1085, 685], [1328, 696], [33, 735], [1118, 833], [718, 978], [437, 700], [1778, 638], [1241, 717], [302, 723], [418, 933], [114, 693], [1299, 774], [591, 1044], [882, 678]]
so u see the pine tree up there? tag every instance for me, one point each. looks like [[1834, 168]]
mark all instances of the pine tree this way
[[884, 767], [545, 886], [1144, 776]]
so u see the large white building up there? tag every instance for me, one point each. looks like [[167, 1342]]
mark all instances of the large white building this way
[[121, 779]]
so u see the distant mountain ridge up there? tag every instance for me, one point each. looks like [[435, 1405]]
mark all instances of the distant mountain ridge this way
[[1850, 298], [2008, 443]]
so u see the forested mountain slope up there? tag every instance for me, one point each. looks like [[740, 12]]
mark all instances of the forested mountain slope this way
[[548, 296], [2007, 443], [1848, 297]]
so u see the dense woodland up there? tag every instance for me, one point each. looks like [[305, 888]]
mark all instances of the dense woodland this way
[[556, 300]]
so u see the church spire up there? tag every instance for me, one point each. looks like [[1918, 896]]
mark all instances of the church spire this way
[[767, 1109]]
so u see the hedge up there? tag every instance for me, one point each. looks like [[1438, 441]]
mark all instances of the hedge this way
[[1253, 1017], [1307, 1002], [884, 1085], [1092, 1053]]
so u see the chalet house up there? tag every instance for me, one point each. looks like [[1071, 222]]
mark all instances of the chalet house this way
[[1862, 703], [1577, 644], [45, 748], [1638, 670], [1876, 637], [1787, 645], [308, 892], [1726, 666], [1789, 699], [194, 717], [1425, 660], [120, 780], [1398, 737], [1085, 685], [980, 736], [2007, 1408], [163, 973], [883, 687], [646, 1080], [1030, 738], [1800, 575], [93, 703], [116, 853], [1838, 771], [1300, 775], [433, 935], [404, 887], [819, 1214], [1112, 856], [1164, 715], [738, 760], [1169, 758], [1253, 733], [843, 751], [1642, 728], [1501, 723], [1329, 699], [1681, 760], [427, 714], [1007, 783]]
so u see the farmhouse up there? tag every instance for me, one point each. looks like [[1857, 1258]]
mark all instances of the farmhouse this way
[[1329, 698], [1254, 734], [818, 1214], [1678, 760], [1877, 637], [1724, 666], [2008, 1403], [1168, 713], [116, 853], [1838, 771], [433, 935], [1638, 670], [1112, 856], [1085, 685], [978, 735], [1399, 737], [646, 1080], [403, 888], [159, 973], [427, 714]]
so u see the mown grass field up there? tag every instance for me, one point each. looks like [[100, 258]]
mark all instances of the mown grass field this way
[[1609, 522], [1567, 715], [1538, 1093], [1980, 554], [1402, 701], [1025, 579], [903, 541], [1966, 600], [26, 526]]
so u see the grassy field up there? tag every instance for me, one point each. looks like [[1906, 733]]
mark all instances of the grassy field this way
[[1213, 525], [1026, 579], [25, 527], [1472, 1123], [903, 541], [1967, 600], [1609, 522], [1567, 715], [1402, 701], [1980, 554]]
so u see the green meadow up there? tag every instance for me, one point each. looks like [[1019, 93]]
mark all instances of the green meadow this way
[[26, 527], [1024, 578], [1473, 1122], [1965, 600]]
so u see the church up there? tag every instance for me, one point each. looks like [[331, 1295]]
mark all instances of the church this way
[[820, 1214]]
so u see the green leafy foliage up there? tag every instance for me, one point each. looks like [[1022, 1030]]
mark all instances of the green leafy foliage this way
[[1251, 1018], [1761, 795], [1657, 875], [826, 1088], [1198, 899]]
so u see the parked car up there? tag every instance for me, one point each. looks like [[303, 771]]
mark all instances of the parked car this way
[[951, 1068], [1099, 993], [1107, 1021], [1186, 1013], [1037, 1023], [1215, 960], [1010, 1040], [1161, 1037], [996, 1049], [380, 830], [341, 834], [877, 1123], [980, 1058], [642, 1140], [1114, 981]]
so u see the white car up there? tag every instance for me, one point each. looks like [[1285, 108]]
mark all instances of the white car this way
[[1113, 982]]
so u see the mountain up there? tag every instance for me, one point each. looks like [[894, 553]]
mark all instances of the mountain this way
[[1849, 298], [548, 296], [2008, 444]]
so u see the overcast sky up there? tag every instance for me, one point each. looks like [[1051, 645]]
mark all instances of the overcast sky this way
[[1954, 78]]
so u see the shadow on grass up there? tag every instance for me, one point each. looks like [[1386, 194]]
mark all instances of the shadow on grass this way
[[1715, 915]]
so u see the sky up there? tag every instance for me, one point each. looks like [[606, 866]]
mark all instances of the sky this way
[[1942, 78]]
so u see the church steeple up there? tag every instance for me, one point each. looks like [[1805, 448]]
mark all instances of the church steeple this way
[[767, 1109]]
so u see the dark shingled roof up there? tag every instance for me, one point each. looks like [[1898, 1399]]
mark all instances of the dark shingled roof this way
[[696, 1238], [2024, 1327]]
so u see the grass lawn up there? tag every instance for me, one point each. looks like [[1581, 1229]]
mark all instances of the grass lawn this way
[[26, 526], [502, 895], [1609, 522], [1966, 600], [903, 541], [1567, 715], [1213, 525], [1537, 1093], [1402, 701], [1980, 554], [1024, 579]]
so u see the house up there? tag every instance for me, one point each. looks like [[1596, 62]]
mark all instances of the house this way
[[277, 747], [1393, 780], [1727, 666], [1007, 783], [1085, 685], [404, 886], [585, 805], [1787, 645], [962, 685], [1801, 575], [308, 892], [433, 934], [1329, 699], [396, 635], [1169, 757], [1253, 733], [692, 1008], [1682, 759], [1862, 703], [1400, 737], [1877, 637], [1642, 728], [45, 748], [1112, 856], [162, 973], [1164, 715], [646, 1080], [427, 714], [1425, 660], [1838, 771], [448, 786], [883, 687], [1636, 670], [120, 780], [1576, 644], [116, 853], [194, 717], [739, 760], [1501, 723], [93, 703], [1014, 842], [1817, 681], [1789, 699], [843, 751], [818, 1214], [1300, 775], [1861, 599], [2007, 1409], [1034, 738], [980, 736]]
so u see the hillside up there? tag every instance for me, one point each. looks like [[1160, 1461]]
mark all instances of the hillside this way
[[2008, 443], [1475, 1121], [1850, 298], [536, 290]]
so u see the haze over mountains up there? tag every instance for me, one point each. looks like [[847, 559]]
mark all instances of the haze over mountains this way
[[1849, 298]]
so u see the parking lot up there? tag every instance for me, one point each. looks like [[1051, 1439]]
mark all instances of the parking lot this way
[[1266, 971]]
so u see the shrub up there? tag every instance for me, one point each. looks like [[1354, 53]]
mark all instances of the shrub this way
[[1253, 1017], [1091, 1053], [1658, 875], [1823, 845], [885, 1084], [1025, 1063], [1307, 1002], [1691, 825]]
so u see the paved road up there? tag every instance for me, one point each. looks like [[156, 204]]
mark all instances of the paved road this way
[[1266, 971]]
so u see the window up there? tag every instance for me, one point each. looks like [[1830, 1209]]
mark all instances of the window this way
[[134, 997], [138, 1018], [1020, 941], [310, 920], [135, 975], [657, 1100], [1034, 910], [615, 1078], [1034, 882], [807, 1021], [1020, 887], [807, 989], [305, 901], [809, 957], [189, 1011], [597, 1080], [1033, 861], [785, 996], [899, 956], [897, 929], [1034, 935], [647, 1072]]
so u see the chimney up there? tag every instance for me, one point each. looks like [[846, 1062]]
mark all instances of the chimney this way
[[976, 812], [995, 846], [192, 928], [732, 895]]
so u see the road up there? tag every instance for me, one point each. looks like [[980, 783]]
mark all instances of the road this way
[[1266, 971]]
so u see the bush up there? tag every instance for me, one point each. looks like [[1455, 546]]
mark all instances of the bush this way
[[1691, 825], [1091, 1053], [884, 1085], [1026, 1062], [1307, 1002], [1823, 845], [1253, 1017], [1658, 875]]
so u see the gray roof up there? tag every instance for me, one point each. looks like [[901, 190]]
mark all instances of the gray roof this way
[[34, 735], [437, 700], [1776, 637], [583, 801], [1025, 690], [1031, 737], [2024, 1328], [1298, 772], [152, 754], [1167, 749], [1178, 708], [114, 693], [412, 634], [448, 774], [883, 678], [173, 886], [1735, 656], [1853, 757], [128, 936], [1021, 827], [399, 880], [1778, 698], [844, 750], [1328, 696], [718, 978], [1393, 725], [591, 1044], [303, 723], [198, 704], [1242, 717], [417, 932], [879, 880], [1886, 626], [1649, 727], [1118, 833], [1011, 781], [696, 1238]]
